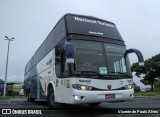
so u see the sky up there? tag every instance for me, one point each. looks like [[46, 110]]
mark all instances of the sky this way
[[30, 21]]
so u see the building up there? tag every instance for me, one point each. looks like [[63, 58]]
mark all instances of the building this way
[[1, 87], [14, 88]]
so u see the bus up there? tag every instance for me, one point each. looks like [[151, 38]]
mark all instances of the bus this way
[[83, 60]]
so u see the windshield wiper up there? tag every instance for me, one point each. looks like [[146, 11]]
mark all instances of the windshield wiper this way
[[125, 73], [118, 72], [88, 73], [93, 73], [129, 76]]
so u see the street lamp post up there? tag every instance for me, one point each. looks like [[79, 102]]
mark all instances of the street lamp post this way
[[5, 83]]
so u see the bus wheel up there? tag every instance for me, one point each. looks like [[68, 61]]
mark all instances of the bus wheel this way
[[29, 99], [51, 99], [94, 104]]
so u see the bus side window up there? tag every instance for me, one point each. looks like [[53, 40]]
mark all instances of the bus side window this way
[[58, 62], [61, 66], [64, 65], [58, 73]]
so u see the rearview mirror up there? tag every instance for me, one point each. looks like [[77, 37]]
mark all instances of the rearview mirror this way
[[141, 63], [69, 52], [138, 53]]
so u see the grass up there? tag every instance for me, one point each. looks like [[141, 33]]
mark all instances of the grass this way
[[147, 93], [7, 97]]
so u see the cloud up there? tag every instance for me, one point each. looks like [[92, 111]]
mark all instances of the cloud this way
[[31, 21]]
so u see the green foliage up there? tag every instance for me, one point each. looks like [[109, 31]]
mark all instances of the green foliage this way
[[147, 93], [151, 69], [12, 93], [157, 87], [6, 97], [138, 69]]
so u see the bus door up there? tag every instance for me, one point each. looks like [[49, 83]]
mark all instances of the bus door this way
[[67, 61], [57, 74]]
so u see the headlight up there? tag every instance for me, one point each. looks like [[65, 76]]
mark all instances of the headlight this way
[[128, 87], [81, 87]]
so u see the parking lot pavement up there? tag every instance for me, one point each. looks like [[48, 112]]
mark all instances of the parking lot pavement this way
[[85, 110], [21, 103]]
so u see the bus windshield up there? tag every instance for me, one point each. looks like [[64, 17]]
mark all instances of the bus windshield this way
[[101, 58]]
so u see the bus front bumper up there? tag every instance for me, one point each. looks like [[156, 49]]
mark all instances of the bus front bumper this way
[[80, 96]]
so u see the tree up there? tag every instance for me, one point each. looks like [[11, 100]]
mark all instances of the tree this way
[[151, 69]]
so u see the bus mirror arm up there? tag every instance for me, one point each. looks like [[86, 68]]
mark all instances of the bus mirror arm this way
[[138, 53]]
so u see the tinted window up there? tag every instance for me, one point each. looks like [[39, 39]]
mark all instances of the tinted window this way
[[89, 55]]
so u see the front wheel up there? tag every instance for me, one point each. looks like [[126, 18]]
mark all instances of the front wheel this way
[[51, 99], [94, 104]]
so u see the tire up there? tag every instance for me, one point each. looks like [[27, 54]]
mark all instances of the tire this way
[[94, 104], [32, 99], [51, 99], [29, 99]]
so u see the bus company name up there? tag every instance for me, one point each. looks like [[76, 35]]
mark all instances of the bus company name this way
[[93, 21], [87, 81], [20, 112], [129, 81], [96, 33]]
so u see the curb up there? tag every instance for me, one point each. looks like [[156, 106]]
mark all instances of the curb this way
[[145, 96]]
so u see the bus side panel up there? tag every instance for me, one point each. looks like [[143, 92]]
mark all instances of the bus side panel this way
[[34, 87], [31, 81], [26, 83], [45, 74]]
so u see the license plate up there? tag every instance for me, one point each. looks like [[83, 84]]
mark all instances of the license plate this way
[[109, 96]]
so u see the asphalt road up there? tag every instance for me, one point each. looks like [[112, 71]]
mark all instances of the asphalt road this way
[[137, 105]]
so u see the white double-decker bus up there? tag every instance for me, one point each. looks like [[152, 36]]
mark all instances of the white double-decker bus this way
[[83, 60]]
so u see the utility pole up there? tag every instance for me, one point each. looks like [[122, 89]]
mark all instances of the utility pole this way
[[5, 82]]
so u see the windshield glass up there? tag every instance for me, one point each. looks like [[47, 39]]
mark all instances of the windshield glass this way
[[89, 55], [115, 58], [101, 58]]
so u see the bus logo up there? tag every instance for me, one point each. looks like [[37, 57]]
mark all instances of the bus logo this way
[[109, 86], [49, 62], [6, 111]]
